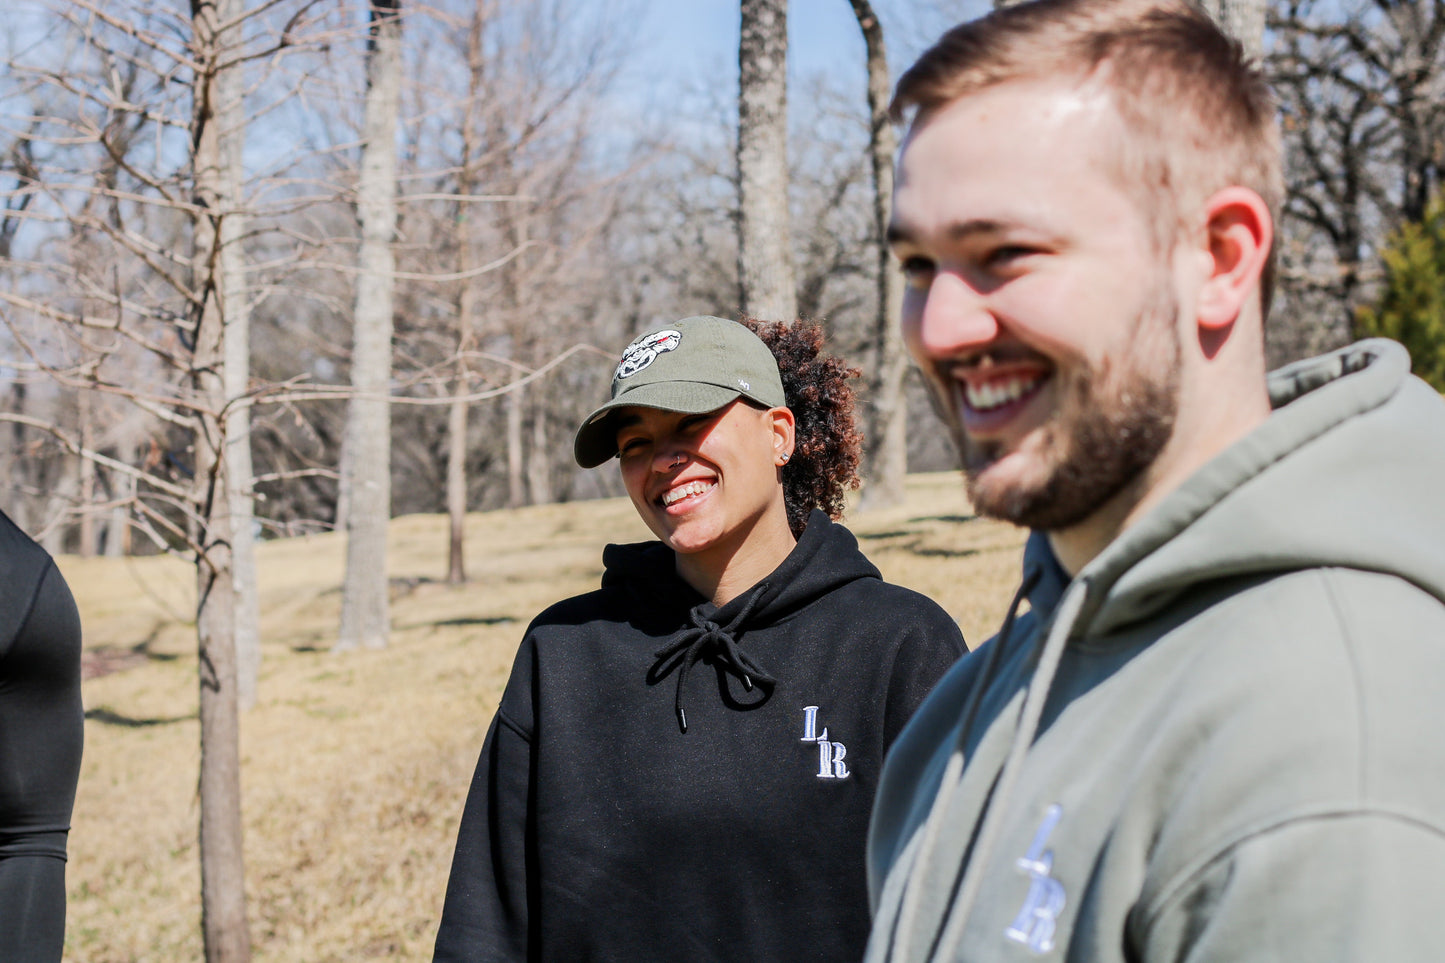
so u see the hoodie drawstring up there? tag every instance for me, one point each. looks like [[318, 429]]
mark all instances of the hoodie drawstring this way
[[908, 910], [692, 643], [996, 809]]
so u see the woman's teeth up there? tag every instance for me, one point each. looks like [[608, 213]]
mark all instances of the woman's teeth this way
[[674, 495]]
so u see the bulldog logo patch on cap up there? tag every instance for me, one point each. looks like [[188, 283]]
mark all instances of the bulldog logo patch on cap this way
[[644, 351]]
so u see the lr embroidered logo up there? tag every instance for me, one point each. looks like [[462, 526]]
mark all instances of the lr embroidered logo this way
[[1034, 926], [830, 754]]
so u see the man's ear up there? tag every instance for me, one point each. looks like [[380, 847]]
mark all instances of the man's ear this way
[[1239, 232]]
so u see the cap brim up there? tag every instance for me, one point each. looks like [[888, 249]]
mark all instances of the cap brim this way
[[596, 440]]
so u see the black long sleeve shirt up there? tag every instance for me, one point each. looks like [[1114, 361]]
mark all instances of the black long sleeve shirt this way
[[41, 730]]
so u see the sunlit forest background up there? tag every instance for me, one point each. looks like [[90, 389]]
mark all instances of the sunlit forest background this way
[[301, 302]]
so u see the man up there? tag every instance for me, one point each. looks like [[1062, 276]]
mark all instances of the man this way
[[1216, 732], [41, 728]]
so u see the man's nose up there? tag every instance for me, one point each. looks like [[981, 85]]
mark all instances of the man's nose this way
[[948, 318]]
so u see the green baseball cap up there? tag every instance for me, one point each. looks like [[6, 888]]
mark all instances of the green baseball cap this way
[[694, 365]]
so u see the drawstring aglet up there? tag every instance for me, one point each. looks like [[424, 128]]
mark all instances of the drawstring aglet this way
[[682, 718], [747, 682]]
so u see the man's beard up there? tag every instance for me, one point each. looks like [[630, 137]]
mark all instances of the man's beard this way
[[1105, 434]]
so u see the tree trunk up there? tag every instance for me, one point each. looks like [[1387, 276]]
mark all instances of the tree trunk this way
[[223, 880], [57, 511], [765, 264], [539, 457], [457, 481], [516, 475], [466, 309], [21, 469], [365, 617], [236, 316], [342, 519], [117, 529], [88, 530], [886, 442]]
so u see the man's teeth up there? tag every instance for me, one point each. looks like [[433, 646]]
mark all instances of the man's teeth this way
[[996, 394], [674, 495]]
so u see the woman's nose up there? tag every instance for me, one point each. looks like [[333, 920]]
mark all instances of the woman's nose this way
[[667, 457]]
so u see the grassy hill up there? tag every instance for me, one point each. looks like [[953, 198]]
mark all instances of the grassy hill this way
[[355, 766]]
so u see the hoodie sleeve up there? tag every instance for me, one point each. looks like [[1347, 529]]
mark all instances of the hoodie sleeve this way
[[1329, 889], [41, 730], [929, 647], [486, 912]]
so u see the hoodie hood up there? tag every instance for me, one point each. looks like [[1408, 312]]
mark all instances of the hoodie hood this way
[[1283, 498], [1300, 491], [825, 558]]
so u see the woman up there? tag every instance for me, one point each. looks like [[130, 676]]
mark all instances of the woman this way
[[683, 762]]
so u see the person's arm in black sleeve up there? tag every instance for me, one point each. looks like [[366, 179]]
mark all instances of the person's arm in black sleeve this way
[[486, 912], [930, 646], [42, 725]]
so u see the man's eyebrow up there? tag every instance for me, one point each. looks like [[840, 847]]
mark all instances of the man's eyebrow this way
[[959, 230]]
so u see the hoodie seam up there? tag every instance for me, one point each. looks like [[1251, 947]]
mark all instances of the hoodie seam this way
[[29, 607], [1183, 881], [512, 724], [1346, 639]]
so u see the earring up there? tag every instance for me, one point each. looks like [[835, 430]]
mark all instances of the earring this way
[[786, 456]]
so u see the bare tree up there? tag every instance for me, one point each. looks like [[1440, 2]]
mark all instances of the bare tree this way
[[365, 618], [765, 263], [228, 127], [127, 292], [886, 451], [466, 299], [1362, 90], [223, 878]]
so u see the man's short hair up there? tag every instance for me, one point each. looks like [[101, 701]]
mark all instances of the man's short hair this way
[[1198, 113]]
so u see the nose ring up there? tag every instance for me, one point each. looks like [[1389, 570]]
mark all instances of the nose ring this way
[[677, 461]]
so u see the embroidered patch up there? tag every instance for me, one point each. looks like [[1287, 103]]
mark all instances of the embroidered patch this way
[[644, 351], [1038, 917], [830, 754]]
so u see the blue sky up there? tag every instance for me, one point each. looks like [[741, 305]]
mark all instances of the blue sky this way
[[822, 33], [680, 39]]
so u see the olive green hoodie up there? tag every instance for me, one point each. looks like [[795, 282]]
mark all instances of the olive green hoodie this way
[[1224, 740]]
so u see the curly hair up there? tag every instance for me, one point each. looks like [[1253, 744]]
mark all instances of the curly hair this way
[[828, 444]]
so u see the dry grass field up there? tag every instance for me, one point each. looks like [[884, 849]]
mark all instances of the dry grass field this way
[[356, 765]]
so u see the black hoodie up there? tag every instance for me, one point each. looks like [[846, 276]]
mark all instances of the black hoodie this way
[[669, 780]]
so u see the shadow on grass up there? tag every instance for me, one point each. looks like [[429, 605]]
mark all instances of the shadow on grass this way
[[943, 552], [950, 519], [103, 660], [471, 620], [319, 640], [111, 718], [399, 586], [463, 620]]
